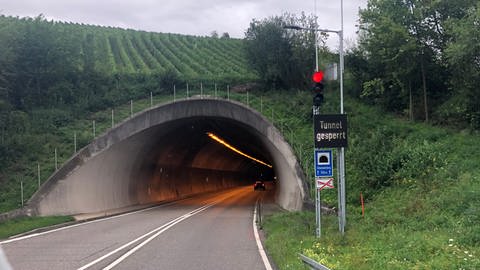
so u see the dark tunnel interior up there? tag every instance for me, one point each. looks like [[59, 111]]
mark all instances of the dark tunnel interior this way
[[185, 152]]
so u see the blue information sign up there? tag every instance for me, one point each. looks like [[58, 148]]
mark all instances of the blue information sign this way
[[323, 163]]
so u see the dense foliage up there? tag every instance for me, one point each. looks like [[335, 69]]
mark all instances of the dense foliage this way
[[284, 58], [421, 58]]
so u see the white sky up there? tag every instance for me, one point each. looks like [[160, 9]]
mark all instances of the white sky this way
[[193, 17]]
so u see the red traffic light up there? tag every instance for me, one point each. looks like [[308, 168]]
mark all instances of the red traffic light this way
[[317, 76]]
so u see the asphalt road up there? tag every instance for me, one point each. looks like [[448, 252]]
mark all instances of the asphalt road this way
[[211, 231]]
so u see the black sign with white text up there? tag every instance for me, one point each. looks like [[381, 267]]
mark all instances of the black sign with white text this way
[[330, 130]]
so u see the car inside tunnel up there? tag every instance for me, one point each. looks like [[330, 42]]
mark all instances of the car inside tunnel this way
[[173, 151]]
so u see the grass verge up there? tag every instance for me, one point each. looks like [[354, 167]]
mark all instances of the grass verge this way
[[25, 224]]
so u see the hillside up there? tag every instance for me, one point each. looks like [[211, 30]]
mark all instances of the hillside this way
[[121, 51], [421, 186]]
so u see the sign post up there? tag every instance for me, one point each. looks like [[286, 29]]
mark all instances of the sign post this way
[[330, 131]]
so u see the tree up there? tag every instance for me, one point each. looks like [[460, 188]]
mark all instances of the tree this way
[[214, 34], [463, 56], [283, 59], [225, 35]]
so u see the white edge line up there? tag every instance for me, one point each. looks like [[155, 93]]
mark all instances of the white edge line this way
[[265, 260], [81, 224]]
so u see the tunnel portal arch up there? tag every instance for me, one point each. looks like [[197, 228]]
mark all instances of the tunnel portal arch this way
[[163, 153]]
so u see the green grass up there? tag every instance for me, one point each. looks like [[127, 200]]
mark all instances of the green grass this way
[[21, 225], [422, 191]]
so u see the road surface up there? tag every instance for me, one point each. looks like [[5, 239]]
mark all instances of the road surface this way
[[210, 231]]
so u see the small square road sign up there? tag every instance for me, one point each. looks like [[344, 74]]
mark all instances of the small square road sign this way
[[323, 163]]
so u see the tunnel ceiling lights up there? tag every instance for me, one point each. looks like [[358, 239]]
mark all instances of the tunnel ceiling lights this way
[[219, 140]]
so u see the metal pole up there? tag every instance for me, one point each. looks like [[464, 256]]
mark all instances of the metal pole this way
[[342, 150], [319, 213], [93, 127], [56, 163], [174, 93], [316, 38], [74, 142], [151, 99], [21, 191], [228, 92], [38, 173], [113, 119], [215, 90], [248, 101], [201, 90], [187, 90], [131, 107]]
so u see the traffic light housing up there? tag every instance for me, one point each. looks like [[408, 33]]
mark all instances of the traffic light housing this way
[[318, 88]]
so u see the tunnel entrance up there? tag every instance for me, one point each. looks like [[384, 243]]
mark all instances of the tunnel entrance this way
[[185, 160], [168, 152]]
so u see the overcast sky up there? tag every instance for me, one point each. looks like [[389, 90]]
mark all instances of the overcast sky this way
[[193, 17]]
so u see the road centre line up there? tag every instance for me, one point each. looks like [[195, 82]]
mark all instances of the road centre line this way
[[159, 230], [166, 227]]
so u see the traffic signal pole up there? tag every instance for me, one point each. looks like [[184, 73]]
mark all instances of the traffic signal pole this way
[[316, 110]]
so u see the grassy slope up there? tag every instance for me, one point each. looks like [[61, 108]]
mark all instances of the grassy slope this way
[[422, 189]]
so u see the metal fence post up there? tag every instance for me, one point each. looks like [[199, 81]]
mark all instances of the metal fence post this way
[[38, 173], [131, 108], [174, 93], [228, 92], [74, 142], [56, 163], [21, 191], [151, 99], [93, 127]]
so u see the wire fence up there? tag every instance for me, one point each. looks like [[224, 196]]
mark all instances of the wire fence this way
[[101, 122]]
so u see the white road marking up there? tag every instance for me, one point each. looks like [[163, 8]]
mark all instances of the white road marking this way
[[81, 224], [265, 260], [163, 229]]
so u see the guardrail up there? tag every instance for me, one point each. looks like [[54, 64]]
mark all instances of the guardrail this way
[[312, 263]]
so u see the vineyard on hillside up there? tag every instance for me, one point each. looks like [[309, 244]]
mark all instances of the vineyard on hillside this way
[[119, 51]]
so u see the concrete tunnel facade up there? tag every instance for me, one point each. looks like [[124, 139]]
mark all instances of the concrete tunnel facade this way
[[164, 153]]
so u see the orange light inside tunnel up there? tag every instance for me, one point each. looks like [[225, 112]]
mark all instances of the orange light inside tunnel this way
[[219, 140]]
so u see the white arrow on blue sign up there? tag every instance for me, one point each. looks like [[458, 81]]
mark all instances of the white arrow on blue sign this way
[[323, 163]]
